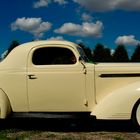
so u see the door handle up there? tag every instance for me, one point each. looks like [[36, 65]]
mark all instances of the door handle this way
[[32, 76]]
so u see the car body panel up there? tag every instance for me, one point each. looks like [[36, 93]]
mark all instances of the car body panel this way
[[106, 90]]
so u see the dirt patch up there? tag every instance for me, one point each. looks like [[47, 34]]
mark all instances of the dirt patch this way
[[45, 135], [64, 130]]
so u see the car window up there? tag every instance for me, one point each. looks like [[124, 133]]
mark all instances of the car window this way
[[53, 56], [82, 54]]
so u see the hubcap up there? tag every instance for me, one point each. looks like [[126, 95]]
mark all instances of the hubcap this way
[[138, 114]]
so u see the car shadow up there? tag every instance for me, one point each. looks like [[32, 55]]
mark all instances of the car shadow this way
[[67, 125]]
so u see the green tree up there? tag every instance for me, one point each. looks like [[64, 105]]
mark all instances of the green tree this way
[[120, 54], [107, 55], [136, 55], [87, 51], [12, 46], [101, 54], [98, 53]]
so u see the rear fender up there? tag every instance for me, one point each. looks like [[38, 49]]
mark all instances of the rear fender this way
[[118, 104]]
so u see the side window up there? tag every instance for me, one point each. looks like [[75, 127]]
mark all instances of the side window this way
[[53, 56]]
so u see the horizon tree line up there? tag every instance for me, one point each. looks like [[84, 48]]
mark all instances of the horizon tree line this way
[[100, 53]]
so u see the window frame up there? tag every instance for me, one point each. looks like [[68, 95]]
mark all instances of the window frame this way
[[70, 48]]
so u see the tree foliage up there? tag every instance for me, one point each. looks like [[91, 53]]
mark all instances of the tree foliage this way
[[136, 55], [120, 54], [101, 54], [12, 46], [87, 51]]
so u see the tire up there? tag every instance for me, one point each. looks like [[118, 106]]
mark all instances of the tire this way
[[136, 115]]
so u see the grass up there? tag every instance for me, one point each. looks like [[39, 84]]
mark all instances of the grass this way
[[118, 138], [16, 134], [40, 130]]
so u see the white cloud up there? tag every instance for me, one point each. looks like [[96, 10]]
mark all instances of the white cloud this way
[[56, 38], [45, 3], [112, 51], [127, 40], [85, 30], [79, 41], [34, 26], [41, 3], [61, 2], [86, 17], [108, 5]]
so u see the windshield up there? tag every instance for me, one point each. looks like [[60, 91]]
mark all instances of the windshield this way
[[82, 54]]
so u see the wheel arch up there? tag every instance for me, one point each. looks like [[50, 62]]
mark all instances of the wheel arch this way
[[119, 104], [134, 107], [5, 106], [133, 115]]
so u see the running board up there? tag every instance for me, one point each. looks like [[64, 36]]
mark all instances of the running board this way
[[53, 115]]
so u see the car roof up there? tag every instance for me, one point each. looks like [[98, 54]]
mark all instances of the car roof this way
[[18, 56], [47, 42]]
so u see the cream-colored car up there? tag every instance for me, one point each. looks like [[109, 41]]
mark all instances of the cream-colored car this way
[[54, 79]]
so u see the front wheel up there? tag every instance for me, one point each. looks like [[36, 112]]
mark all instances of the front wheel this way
[[136, 115]]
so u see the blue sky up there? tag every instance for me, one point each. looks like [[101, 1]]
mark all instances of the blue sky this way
[[90, 21]]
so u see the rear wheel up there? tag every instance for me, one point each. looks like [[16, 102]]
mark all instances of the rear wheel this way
[[136, 115]]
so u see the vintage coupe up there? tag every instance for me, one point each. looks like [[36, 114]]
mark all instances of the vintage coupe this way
[[53, 79]]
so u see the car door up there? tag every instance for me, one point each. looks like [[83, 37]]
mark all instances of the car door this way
[[56, 81]]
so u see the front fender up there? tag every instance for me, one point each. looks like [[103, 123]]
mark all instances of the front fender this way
[[118, 104], [5, 107]]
